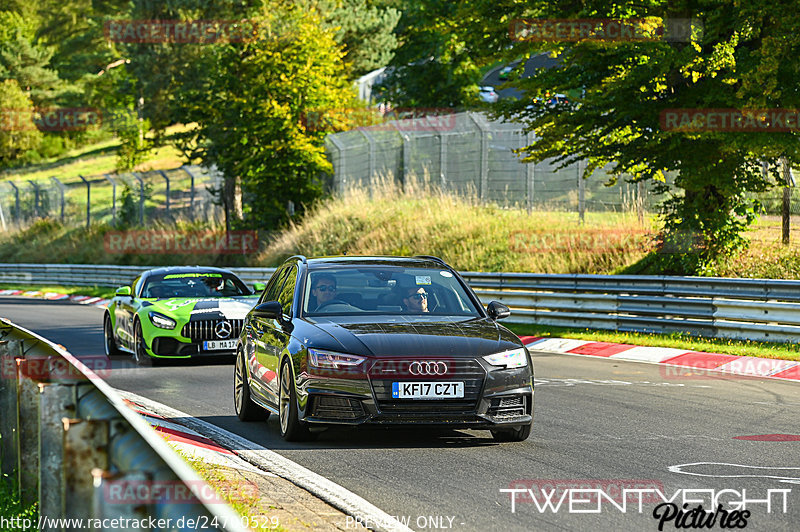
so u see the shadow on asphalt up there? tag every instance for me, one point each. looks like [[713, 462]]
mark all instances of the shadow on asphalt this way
[[267, 435]]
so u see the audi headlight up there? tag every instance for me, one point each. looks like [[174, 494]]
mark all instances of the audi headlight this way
[[515, 358], [161, 321], [330, 360]]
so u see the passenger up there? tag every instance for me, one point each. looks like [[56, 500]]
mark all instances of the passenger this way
[[323, 290], [416, 299]]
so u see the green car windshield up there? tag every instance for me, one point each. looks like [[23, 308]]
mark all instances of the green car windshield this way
[[194, 284], [352, 291]]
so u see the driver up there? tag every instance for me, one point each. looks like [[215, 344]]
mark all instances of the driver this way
[[416, 299], [323, 289]]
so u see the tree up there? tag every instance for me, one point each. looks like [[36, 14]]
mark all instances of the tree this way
[[249, 107], [365, 29], [742, 59], [434, 65], [18, 132]]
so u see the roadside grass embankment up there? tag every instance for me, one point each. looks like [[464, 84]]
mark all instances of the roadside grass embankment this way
[[91, 291]]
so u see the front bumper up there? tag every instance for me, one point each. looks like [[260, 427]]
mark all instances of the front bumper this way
[[493, 398], [169, 347]]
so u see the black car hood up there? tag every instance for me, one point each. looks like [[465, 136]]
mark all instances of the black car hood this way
[[410, 337]]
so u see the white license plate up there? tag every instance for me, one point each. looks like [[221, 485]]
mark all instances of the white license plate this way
[[219, 345], [428, 390]]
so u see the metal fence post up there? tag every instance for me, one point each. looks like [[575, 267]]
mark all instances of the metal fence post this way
[[788, 181], [530, 174], [61, 195], [56, 401], [85, 448], [113, 198], [191, 192], [371, 157], [581, 193], [35, 198], [166, 194], [141, 197], [640, 199], [443, 159], [9, 427], [88, 200], [340, 180], [484, 178], [16, 201]]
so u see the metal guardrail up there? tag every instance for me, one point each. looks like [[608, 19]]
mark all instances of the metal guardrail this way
[[755, 309], [72, 444]]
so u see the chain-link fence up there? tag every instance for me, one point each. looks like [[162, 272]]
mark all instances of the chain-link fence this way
[[135, 198], [468, 153]]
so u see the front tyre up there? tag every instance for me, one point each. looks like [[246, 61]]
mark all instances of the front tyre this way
[[515, 434], [110, 341], [292, 429], [140, 355], [246, 409]]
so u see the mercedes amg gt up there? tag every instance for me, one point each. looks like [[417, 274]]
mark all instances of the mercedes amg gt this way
[[178, 312], [380, 340]]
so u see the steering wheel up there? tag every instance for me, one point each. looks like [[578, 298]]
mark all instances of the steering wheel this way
[[333, 302]]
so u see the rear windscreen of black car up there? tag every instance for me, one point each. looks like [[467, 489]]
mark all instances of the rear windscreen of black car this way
[[194, 284], [382, 289]]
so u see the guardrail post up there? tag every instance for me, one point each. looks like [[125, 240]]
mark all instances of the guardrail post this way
[[56, 402], [28, 430], [85, 449], [88, 200], [61, 195], [9, 433]]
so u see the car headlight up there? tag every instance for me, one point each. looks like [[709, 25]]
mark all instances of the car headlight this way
[[515, 358], [161, 321], [330, 360]]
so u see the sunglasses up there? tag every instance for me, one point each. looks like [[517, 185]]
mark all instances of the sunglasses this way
[[326, 288], [418, 297]]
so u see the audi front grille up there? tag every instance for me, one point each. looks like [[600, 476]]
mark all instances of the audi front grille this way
[[386, 371], [201, 330]]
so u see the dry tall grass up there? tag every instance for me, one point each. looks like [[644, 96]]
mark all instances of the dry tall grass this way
[[422, 219]]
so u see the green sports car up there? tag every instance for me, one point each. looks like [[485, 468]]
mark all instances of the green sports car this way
[[178, 312]]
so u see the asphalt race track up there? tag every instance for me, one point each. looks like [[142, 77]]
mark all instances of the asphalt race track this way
[[599, 424]]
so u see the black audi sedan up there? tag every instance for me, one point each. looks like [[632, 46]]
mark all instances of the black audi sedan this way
[[380, 340]]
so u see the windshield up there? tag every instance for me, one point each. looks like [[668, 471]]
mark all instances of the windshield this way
[[194, 284], [351, 291]]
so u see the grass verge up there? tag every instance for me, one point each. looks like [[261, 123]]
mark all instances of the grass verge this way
[[15, 515], [782, 351], [92, 291]]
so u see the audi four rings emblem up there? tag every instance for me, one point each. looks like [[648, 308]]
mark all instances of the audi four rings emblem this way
[[427, 368], [223, 329]]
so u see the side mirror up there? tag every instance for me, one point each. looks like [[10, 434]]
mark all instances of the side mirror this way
[[498, 311], [259, 287], [270, 309], [123, 291]]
